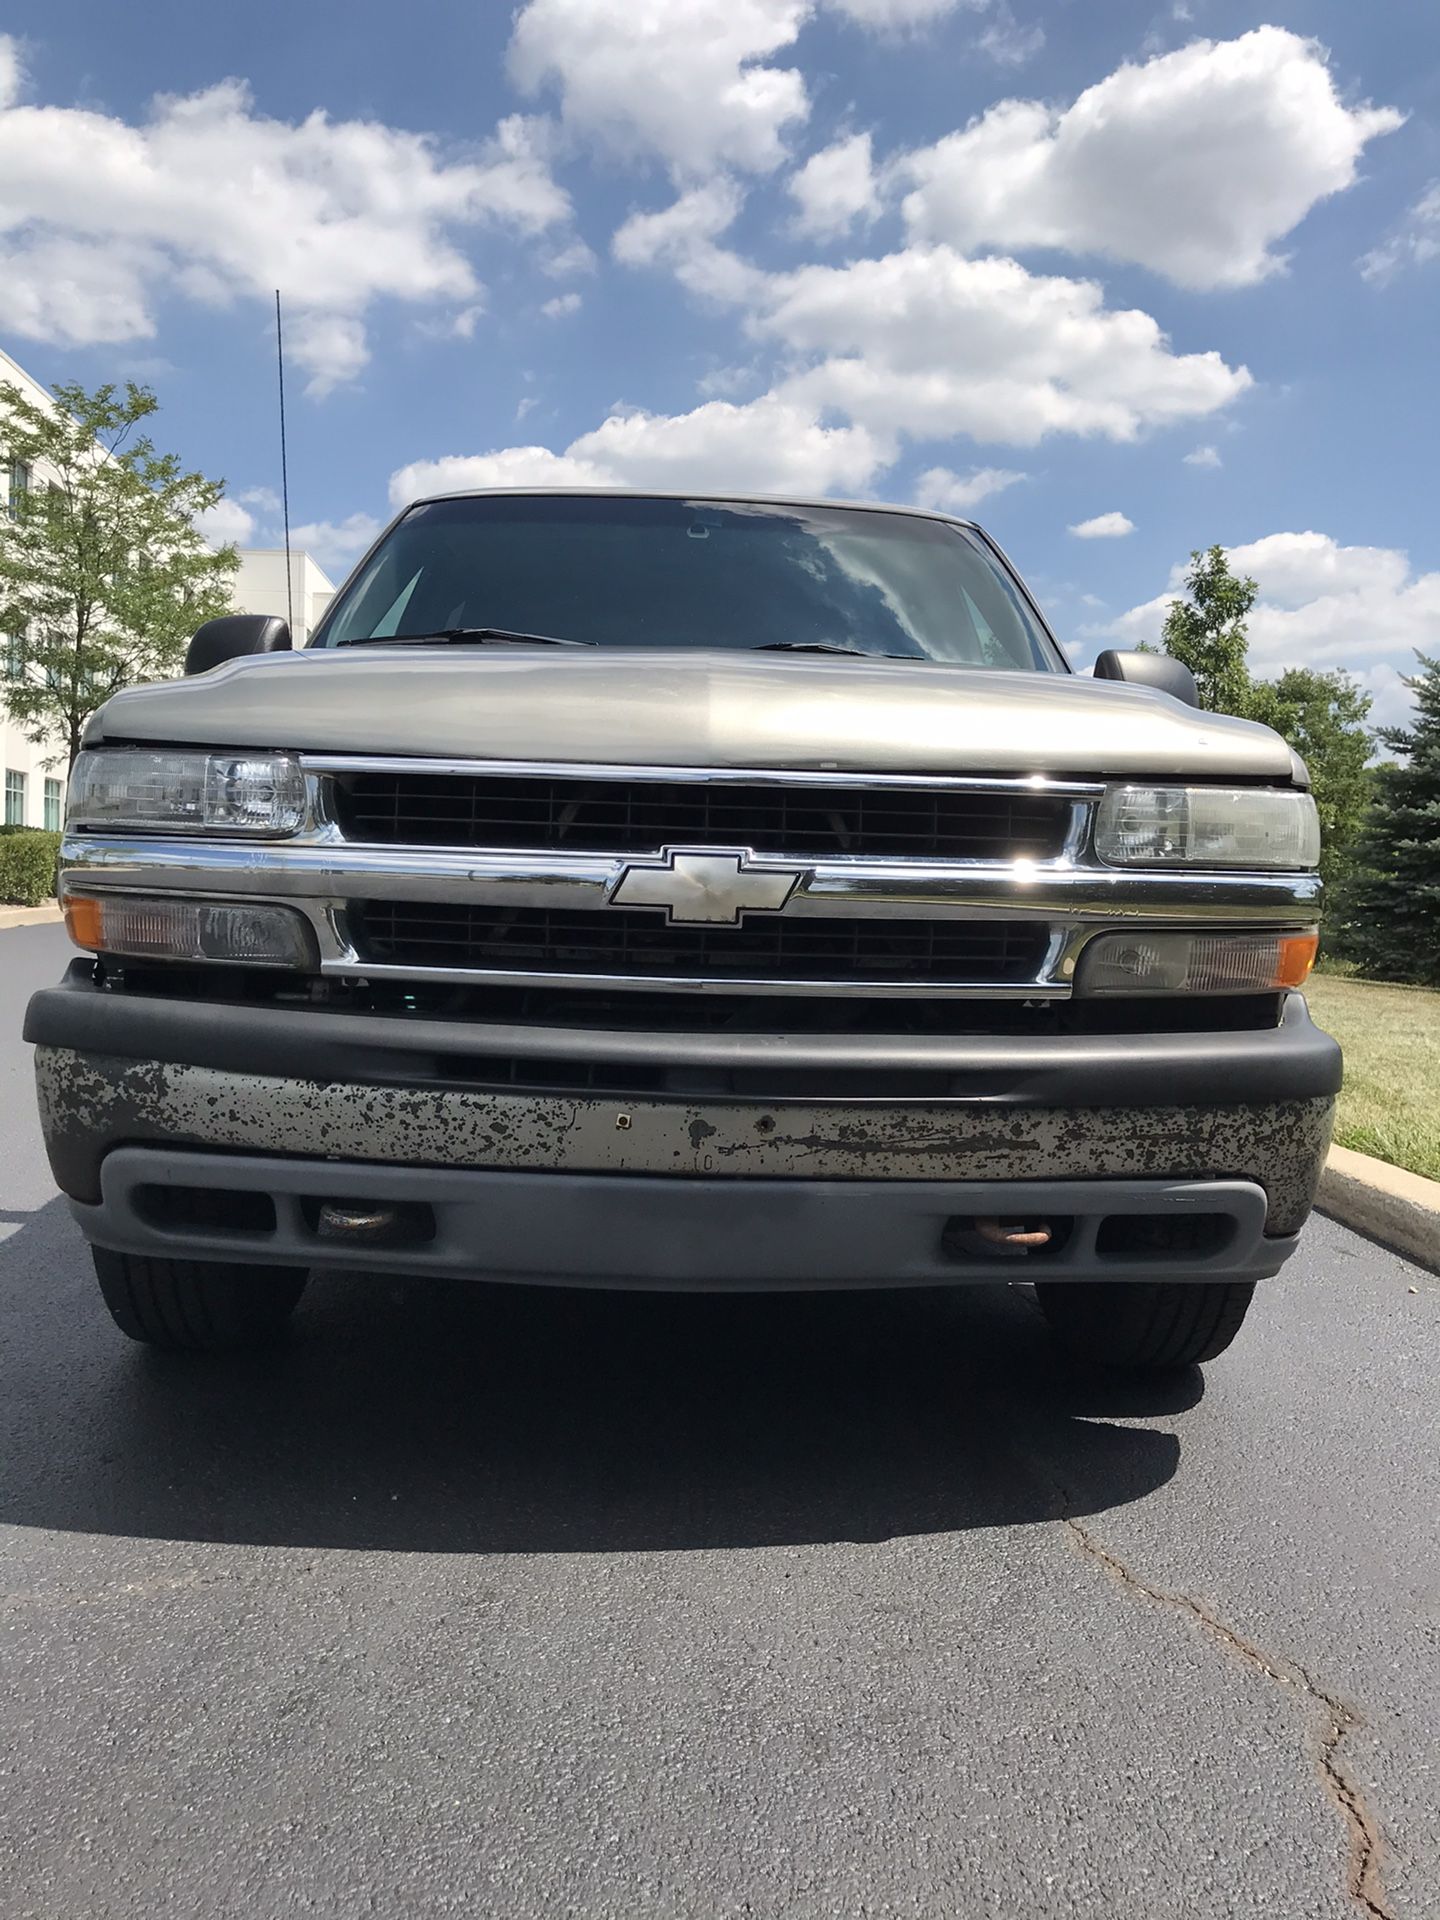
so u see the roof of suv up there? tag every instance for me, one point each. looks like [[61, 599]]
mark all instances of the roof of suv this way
[[674, 493]]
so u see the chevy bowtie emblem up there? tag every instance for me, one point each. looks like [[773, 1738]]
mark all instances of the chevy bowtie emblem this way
[[706, 887]]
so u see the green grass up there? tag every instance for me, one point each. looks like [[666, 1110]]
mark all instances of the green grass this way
[[1390, 1106]]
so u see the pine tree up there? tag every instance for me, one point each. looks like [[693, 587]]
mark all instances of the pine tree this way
[[1392, 920]]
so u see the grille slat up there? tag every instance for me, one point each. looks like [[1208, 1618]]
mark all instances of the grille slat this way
[[573, 814], [615, 941]]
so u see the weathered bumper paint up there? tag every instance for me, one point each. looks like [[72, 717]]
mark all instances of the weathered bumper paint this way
[[91, 1102]]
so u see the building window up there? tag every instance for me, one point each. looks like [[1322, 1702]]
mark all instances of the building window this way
[[14, 798], [54, 791], [19, 483], [12, 667]]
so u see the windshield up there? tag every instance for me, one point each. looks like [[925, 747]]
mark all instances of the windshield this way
[[625, 572]]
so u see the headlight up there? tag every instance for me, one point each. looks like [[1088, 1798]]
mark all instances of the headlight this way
[[150, 928], [260, 793], [1196, 962], [1251, 827]]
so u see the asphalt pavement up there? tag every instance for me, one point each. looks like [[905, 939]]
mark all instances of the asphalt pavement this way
[[490, 1601]]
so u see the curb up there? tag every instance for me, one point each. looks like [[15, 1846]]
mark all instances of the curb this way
[[1401, 1210], [30, 916]]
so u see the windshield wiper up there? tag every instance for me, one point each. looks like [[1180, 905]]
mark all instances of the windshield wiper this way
[[824, 646], [461, 636]]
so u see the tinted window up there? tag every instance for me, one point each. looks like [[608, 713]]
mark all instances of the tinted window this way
[[676, 573]]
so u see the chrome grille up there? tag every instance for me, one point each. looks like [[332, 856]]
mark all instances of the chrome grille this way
[[571, 813], [432, 934]]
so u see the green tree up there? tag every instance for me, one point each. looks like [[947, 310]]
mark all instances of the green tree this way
[[1207, 630], [1323, 717], [1392, 921], [103, 574]]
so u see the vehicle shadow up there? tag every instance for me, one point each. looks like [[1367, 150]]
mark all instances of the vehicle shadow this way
[[427, 1416]]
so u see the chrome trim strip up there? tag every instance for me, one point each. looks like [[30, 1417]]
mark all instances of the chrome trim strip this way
[[848, 888], [663, 983], [333, 763]]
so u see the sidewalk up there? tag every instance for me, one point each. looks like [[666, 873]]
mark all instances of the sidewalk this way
[[29, 916]]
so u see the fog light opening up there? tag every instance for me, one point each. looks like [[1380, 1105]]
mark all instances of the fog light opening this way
[[1163, 1236]]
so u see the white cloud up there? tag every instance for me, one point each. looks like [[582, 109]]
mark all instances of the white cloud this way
[[728, 383], [762, 446], [1007, 42], [573, 258], [226, 524], [684, 237], [927, 343], [1204, 457], [252, 518], [209, 198], [12, 74], [464, 323], [895, 16], [951, 492], [331, 344], [1321, 605], [1193, 164], [1415, 243], [684, 81], [835, 188], [1104, 526], [562, 306], [767, 445], [336, 544], [1393, 704], [505, 467]]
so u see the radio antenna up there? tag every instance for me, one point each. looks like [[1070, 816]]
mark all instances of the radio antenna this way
[[284, 469]]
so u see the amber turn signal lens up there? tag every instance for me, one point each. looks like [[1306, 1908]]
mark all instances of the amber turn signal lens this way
[[238, 932], [1196, 962], [85, 923], [1297, 957]]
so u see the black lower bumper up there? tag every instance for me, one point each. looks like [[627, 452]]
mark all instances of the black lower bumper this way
[[1292, 1060]]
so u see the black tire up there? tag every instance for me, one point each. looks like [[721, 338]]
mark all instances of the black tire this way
[[1145, 1326], [196, 1306]]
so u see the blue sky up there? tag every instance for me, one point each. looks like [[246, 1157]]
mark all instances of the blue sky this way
[[1169, 268]]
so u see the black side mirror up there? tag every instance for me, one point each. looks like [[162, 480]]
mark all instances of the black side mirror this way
[[1155, 670], [233, 634]]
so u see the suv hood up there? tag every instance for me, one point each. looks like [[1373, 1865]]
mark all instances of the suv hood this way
[[693, 709]]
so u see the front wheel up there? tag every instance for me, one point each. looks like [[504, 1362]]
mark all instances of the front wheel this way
[[196, 1306], [1145, 1326]]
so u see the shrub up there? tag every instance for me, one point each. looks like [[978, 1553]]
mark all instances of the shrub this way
[[27, 865]]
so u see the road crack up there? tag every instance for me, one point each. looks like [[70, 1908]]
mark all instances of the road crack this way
[[1333, 1721]]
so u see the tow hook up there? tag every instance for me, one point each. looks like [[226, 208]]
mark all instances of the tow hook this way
[[1015, 1234]]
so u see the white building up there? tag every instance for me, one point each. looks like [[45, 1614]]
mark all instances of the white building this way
[[34, 792], [259, 587]]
